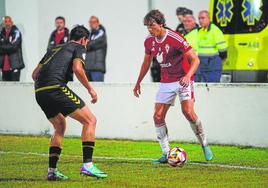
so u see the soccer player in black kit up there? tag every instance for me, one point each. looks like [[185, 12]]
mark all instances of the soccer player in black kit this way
[[57, 100]]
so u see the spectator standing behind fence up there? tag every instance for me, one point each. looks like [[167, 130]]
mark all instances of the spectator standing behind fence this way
[[191, 28], [212, 50], [11, 61], [95, 66], [181, 12], [60, 35]]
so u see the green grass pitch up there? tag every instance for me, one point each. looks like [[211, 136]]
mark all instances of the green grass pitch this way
[[23, 163]]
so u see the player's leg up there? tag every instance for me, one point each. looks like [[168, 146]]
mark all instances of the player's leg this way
[[187, 107], [72, 105], [59, 125], [164, 98], [88, 120], [161, 130]]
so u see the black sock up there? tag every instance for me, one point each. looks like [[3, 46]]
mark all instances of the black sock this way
[[88, 148], [54, 154]]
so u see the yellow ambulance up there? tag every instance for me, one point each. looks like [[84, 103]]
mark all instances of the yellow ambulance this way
[[244, 24]]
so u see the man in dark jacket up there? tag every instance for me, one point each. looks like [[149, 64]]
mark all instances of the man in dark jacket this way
[[181, 12], [60, 35], [95, 66], [11, 61]]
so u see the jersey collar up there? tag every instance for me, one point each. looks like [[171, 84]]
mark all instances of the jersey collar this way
[[208, 29], [162, 40]]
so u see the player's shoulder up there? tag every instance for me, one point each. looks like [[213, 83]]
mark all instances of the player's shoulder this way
[[149, 39], [74, 46], [215, 28], [175, 35]]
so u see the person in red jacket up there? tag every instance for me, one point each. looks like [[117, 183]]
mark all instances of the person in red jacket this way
[[60, 35]]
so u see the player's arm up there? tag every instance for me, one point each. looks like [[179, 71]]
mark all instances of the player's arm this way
[[194, 63], [144, 69], [81, 76], [36, 71]]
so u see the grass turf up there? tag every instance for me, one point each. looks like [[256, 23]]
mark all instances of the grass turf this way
[[29, 170]]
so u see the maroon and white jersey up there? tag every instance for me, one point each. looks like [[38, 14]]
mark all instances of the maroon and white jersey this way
[[169, 52]]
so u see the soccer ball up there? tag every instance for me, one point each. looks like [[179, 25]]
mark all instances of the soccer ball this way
[[177, 157]]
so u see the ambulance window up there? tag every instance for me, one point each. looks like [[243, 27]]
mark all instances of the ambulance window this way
[[240, 16]]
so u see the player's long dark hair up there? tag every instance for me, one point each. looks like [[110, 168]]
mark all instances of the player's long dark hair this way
[[154, 16], [79, 32]]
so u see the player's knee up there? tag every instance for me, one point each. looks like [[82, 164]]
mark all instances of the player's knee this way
[[93, 121], [59, 131], [90, 121], [60, 127], [158, 119]]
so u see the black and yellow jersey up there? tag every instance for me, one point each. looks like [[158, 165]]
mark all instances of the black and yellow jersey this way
[[56, 65]]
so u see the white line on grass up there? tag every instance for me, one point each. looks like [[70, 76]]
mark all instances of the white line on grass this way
[[142, 159]]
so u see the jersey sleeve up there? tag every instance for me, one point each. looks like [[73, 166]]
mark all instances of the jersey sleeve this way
[[80, 54], [184, 45], [220, 41], [146, 47]]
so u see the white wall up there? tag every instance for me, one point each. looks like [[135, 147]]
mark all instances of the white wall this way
[[231, 114], [123, 20]]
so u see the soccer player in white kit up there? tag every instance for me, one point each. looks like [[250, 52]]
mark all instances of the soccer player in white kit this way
[[178, 63]]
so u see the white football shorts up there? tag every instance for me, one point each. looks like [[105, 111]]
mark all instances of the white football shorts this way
[[167, 92]]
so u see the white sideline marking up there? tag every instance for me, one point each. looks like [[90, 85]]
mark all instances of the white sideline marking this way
[[142, 159]]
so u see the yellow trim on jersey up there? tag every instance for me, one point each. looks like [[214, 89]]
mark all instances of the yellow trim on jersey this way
[[80, 59], [47, 87], [54, 53]]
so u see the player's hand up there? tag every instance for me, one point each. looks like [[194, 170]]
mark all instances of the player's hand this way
[[93, 95], [185, 81], [137, 90]]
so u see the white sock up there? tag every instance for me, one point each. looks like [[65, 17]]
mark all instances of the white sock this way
[[162, 137], [88, 165], [199, 133], [52, 169]]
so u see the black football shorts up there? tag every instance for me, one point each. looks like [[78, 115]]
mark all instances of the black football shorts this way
[[58, 99]]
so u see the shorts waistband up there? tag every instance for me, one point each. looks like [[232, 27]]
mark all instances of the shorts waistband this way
[[47, 88], [171, 83]]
